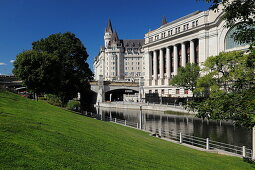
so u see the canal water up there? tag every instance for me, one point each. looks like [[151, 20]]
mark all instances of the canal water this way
[[221, 131]]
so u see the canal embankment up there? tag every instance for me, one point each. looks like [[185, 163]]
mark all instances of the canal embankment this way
[[145, 106]]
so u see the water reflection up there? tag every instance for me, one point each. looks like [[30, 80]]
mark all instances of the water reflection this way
[[221, 131]]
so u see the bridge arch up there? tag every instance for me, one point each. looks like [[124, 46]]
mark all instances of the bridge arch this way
[[117, 94]]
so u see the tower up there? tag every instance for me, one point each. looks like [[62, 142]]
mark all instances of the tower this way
[[108, 34]]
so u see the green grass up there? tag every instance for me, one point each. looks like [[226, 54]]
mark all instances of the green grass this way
[[36, 135]]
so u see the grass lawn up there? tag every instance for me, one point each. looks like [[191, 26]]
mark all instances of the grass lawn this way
[[36, 135]]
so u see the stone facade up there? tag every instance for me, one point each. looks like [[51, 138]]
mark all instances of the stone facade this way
[[119, 60], [192, 38]]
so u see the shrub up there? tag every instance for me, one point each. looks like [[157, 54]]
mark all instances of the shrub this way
[[73, 105], [54, 100]]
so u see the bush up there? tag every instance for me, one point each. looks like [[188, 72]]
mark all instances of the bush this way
[[73, 105], [54, 100]]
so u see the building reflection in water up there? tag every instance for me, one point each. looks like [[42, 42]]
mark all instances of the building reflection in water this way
[[222, 131]]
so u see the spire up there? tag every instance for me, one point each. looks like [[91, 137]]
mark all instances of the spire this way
[[163, 20], [115, 36], [109, 27]]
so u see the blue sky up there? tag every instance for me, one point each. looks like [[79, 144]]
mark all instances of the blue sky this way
[[25, 21]]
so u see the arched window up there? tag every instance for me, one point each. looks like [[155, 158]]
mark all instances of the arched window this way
[[230, 43]]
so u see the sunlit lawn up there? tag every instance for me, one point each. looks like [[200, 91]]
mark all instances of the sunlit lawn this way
[[40, 136]]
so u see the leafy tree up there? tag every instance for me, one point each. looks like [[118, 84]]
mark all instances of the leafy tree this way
[[229, 85], [186, 77], [39, 70], [233, 71], [73, 70], [242, 11]]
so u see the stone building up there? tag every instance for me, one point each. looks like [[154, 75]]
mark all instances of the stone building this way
[[190, 39], [119, 60]]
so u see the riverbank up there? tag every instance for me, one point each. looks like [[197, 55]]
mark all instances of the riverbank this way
[[36, 135], [145, 106]]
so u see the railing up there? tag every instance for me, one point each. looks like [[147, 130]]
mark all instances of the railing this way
[[181, 137]]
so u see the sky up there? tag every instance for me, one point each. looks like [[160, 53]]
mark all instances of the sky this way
[[25, 21]]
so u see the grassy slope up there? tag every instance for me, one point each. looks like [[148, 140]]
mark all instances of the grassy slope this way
[[38, 135]]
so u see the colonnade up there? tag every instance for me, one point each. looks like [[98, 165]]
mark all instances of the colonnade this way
[[164, 62]]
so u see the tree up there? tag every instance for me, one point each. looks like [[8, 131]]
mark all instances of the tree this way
[[186, 77], [73, 70], [241, 11], [229, 85], [38, 70]]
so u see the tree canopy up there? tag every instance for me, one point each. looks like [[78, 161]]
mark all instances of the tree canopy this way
[[39, 70], [69, 72], [229, 87], [186, 76]]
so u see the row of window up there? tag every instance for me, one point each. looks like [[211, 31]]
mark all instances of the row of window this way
[[132, 49], [132, 63], [177, 91], [132, 68], [133, 58], [171, 32], [113, 74], [133, 73]]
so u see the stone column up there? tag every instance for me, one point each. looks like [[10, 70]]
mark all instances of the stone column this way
[[168, 66], [192, 51], [148, 64], [155, 65], [175, 60], [161, 65], [183, 55]]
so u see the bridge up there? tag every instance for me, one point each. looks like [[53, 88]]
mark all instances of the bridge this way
[[103, 90], [114, 91], [9, 82]]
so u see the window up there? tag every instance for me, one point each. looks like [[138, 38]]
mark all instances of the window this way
[[193, 24], [162, 91], [177, 91], [186, 91], [196, 23], [229, 40], [149, 91], [156, 91], [129, 50]]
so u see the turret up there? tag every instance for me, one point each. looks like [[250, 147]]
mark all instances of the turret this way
[[108, 34], [163, 22]]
